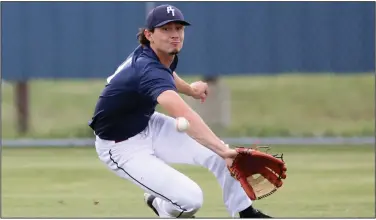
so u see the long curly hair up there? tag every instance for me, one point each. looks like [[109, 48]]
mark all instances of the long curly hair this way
[[141, 36]]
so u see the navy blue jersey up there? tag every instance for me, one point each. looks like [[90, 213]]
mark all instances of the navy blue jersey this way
[[130, 95]]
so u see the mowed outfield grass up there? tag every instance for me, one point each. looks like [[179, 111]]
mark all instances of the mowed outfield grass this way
[[283, 105], [330, 181]]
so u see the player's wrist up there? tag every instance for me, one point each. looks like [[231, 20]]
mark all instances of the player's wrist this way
[[192, 91], [187, 89], [225, 151], [229, 155]]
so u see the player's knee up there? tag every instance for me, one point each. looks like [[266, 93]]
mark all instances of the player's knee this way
[[193, 201]]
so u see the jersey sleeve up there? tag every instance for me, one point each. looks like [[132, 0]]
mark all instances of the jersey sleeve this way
[[155, 81]]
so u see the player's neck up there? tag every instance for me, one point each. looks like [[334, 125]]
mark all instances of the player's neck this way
[[165, 59]]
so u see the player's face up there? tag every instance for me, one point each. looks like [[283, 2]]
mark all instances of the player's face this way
[[169, 38]]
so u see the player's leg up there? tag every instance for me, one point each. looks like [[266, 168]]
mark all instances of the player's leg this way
[[178, 196], [177, 147]]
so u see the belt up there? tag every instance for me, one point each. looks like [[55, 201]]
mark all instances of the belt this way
[[117, 141]]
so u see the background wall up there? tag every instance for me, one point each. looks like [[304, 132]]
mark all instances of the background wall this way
[[89, 39]]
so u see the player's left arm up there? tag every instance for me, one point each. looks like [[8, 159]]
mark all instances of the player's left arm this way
[[198, 90]]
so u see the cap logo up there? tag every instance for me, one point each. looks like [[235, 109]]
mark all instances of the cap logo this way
[[171, 10]]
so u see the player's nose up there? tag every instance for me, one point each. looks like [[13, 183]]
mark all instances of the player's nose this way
[[175, 34], [175, 38]]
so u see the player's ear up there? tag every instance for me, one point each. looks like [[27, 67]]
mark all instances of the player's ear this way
[[149, 35]]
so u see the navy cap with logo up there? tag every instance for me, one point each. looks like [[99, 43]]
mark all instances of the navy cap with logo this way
[[164, 14]]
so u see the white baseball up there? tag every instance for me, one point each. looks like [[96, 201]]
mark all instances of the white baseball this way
[[182, 124]]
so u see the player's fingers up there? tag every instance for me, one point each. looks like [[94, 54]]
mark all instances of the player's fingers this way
[[207, 91], [268, 174], [278, 168], [203, 97], [273, 163]]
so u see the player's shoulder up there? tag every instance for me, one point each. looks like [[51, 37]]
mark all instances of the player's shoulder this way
[[137, 61], [146, 60], [147, 65]]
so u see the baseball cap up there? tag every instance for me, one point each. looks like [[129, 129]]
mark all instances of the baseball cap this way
[[164, 14]]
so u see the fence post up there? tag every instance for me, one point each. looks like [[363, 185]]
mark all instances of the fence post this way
[[22, 106], [216, 111]]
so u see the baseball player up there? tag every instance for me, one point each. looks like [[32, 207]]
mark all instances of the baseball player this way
[[138, 144]]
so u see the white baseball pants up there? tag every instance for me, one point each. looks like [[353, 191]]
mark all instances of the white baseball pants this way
[[144, 158]]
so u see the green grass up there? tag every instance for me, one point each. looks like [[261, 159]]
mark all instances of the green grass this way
[[331, 181], [284, 105]]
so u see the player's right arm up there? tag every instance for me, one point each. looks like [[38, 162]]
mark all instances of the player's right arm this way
[[158, 84], [175, 106]]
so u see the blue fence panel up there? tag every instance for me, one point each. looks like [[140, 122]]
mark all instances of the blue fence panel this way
[[89, 39]]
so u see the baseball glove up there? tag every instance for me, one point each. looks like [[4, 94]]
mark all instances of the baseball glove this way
[[259, 173]]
